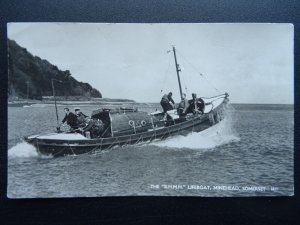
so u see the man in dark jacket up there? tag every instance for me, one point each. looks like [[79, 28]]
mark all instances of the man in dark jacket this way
[[70, 118], [196, 105], [165, 102]]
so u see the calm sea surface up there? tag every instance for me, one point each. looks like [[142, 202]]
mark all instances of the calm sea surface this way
[[250, 153]]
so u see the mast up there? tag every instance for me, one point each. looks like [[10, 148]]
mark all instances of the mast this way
[[27, 82], [53, 90], [177, 70]]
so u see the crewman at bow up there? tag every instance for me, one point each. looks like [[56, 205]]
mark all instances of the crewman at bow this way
[[196, 105], [183, 105], [166, 101]]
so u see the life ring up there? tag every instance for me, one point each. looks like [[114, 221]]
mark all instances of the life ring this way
[[131, 123], [143, 123]]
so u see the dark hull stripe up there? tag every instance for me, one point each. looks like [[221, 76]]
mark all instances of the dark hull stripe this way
[[75, 147]]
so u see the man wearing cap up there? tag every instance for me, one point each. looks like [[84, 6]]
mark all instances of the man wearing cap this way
[[80, 117]]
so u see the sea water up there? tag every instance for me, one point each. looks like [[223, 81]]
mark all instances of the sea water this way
[[249, 153]]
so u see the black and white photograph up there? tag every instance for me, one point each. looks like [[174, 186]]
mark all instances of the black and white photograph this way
[[150, 109]]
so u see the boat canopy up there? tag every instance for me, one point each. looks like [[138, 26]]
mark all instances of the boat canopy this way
[[129, 122]]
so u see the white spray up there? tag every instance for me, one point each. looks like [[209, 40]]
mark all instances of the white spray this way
[[22, 150], [219, 134]]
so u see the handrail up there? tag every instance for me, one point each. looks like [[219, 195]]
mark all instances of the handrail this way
[[215, 96]]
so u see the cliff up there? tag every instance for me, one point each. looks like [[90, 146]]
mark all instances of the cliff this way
[[28, 74]]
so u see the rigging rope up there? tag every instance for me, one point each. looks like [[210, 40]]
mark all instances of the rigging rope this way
[[197, 71], [186, 90], [209, 82], [214, 96], [166, 75]]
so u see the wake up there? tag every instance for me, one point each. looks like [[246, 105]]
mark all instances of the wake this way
[[220, 134], [22, 150]]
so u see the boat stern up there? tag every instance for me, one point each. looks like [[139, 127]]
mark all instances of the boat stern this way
[[31, 139]]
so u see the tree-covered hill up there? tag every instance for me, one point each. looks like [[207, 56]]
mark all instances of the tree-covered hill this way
[[31, 74]]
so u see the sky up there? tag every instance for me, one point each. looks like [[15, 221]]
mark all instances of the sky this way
[[254, 63]]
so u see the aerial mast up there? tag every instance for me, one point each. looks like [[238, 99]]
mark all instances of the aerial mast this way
[[27, 82], [177, 70], [53, 90]]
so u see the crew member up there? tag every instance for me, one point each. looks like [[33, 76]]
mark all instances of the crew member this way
[[183, 105], [81, 118], [70, 119], [95, 126], [196, 105], [165, 102]]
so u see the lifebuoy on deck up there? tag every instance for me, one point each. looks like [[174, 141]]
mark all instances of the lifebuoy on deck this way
[[131, 122]]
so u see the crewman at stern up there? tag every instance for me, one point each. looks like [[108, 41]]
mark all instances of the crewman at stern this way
[[80, 117], [70, 118]]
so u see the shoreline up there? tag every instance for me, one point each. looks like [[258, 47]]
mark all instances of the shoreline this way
[[107, 101], [21, 103]]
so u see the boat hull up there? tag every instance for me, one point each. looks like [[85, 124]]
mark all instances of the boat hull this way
[[195, 123]]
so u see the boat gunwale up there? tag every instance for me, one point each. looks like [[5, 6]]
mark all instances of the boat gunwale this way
[[129, 137]]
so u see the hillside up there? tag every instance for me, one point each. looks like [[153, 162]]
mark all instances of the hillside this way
[[33, 74]]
